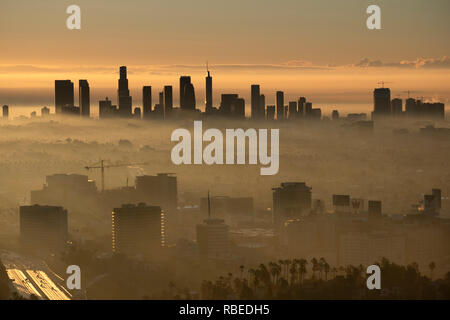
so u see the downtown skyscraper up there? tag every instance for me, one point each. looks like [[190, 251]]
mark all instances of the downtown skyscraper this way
[[84, 98], [209, 97], [123, 94], [63, 95]]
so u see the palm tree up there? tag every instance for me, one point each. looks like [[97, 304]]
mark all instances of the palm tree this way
[[432, 266], [242, 270], [315, 264], [326, 268], [302, 270]]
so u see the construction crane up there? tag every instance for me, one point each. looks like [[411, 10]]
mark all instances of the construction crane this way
[[101, 165], [383, 83]]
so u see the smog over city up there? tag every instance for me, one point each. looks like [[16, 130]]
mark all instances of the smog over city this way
[[194, 152]]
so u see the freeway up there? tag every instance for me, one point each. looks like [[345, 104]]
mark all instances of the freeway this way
[[48, 287], [22, 284]]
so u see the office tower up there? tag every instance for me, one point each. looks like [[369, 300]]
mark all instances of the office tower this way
[[84, 98], [280, 105], [335, 115], [43, 227], [123, 94], [63, 95], [255, 101], [209, 96], [189, 96], [168, 100], [158, 190], [137, 113], [147, 101], [382, 102], [308, 109], [410, 107], [262, 106], [374, 209], [301, 107], [184, 80], [341, 203], [290, 201], [137, 229], [106, 109], [432, 202], [270, 113], [5, 111], [45, 111], [238, 108], [292, 109], [213, 238], [396, 107]]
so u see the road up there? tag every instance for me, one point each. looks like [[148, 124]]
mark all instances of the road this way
[[22, 284], [48, 287]]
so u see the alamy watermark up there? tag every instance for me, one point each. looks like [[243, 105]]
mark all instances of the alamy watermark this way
[[213, 153]]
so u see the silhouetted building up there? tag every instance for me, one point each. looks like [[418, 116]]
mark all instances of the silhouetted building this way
[[301, 107], [160, 190], [5, 111], [168, 100], [137, 229], [270, 113], [213, 238], [209, 95], [106, 109], [341, 204], [45, 111], [137, 113], [290, 201], [374, 209], [255, 101], [396, 107], [63, 95], [123, 94], [335, 115], [222, 205], [84, 98], [147, 101], [262, 106], [187, 93], [280, 105], [43, 227], [432, 202], [382, 102], [292, 110]]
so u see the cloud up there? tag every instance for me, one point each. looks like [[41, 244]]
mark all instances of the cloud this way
[[419, 63]]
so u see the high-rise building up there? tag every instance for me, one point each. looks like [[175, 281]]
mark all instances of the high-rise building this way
[[123, 94], [84, 98], [335, 115], [293, 109], [63, 95], [290, 201], [280, 105], [137, 229], [301, 107], [255, 101], [382, 102], [262, 106], [270, 115], [147, 101], [341, 203], [106, 109], [374, 209], [184, 81], [43, 227], [396, 107], [209, 95], [45, 111], [213, 238], [5, 111], [168, 100], [189, 96]]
